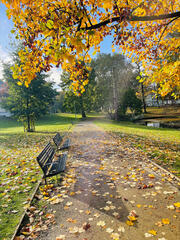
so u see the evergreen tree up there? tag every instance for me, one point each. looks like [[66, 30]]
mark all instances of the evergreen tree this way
[[28, 103]]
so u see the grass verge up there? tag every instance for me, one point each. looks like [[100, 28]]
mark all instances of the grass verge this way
[[19, 171], [162, 145]]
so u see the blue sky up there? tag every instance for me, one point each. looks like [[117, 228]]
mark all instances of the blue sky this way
[[5, 32], [5, 28]]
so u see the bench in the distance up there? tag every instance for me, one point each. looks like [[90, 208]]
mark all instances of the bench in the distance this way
[[49, 165], [57, 139]]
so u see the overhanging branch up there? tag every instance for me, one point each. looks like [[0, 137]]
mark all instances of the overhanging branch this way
[[134, 19]]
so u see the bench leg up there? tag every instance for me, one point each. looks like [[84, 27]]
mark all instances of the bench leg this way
[[45, 180]]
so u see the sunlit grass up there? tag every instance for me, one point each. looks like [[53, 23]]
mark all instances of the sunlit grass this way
[[163, 134], [162, 145]]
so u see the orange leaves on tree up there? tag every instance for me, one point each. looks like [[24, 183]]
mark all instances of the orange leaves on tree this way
[[60, 32]]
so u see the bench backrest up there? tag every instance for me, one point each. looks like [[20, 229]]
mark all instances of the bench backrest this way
[[57, 139], [46, 156]]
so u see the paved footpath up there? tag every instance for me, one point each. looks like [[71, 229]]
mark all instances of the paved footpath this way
[[111, 191]]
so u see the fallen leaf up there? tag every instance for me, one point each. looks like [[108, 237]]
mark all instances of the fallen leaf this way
[[151, 175], [49, 215], [106, 208], [61, 237], [177, 204], [68, 204], [86, 226], [148, 235], [165, 221], [88, 212], [159, 224], [171, 207], [121, 229], [71, 220], [129, 223], [132, 218], [76, 230], [101, 223], [109, 230], [153, 232], [115, 236]]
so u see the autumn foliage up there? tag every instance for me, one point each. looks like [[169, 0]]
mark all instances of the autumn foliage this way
[[63, 32]]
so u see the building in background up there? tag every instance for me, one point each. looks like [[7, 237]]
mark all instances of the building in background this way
[[3, 93]]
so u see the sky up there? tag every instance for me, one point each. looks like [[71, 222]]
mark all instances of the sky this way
[[6, 38]]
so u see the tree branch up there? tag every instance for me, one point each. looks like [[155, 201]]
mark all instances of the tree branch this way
[[165, 29], [134, 19]]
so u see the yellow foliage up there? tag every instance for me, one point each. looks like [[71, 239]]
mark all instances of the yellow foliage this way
[[60, 39]]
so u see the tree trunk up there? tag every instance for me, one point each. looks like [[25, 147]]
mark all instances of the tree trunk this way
[[28, 124], [143, 97], [82, 108], [115, 97], [28, 116]]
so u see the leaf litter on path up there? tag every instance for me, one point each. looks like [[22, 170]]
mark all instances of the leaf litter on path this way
[[116, 187]]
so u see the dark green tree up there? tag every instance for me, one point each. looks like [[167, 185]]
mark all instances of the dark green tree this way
[[28, 104], [131, 101], [80, 104]]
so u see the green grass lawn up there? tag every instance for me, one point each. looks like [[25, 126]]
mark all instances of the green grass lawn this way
[[161, 144], [19, 171]]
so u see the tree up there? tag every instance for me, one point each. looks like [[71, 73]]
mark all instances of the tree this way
[[114, 75], [83, 103], [142, 85], [28, 104], [62, 32], [130, 101]]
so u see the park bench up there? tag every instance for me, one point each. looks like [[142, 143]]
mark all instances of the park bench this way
[[49, 164], [57, 139]]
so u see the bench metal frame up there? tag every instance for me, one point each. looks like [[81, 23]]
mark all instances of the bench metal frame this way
[[48, 164], [57, 139]]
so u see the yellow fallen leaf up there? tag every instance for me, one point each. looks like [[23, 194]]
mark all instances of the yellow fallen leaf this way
[[72, 193], [151, 175], [88, 212], [26, 233], [165, 221], [177, 204], [129, 223], [138, 205], [132, 218], [153, 232]]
